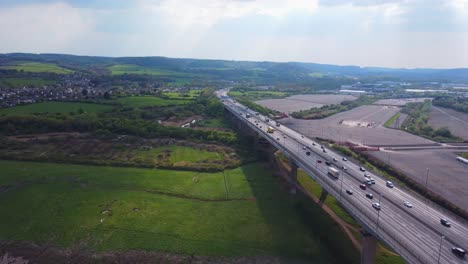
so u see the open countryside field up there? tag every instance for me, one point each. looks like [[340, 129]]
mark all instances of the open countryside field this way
[[364, 124], [21, 82], [54, 107], [241, 212], [457, 122], [400, 102], [148, 101], [304, 101], [192, 94], [136, 69], [447, 176], [37, 67]]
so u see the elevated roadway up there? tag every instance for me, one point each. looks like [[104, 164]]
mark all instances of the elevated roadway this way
[[415, 232]]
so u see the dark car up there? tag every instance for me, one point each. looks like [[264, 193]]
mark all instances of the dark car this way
[[328, 163], [362, 169], [319, 161], [324, 151], [363, 186], [369, 195], [308, 153], [445, 222], [460, 252], [349, 192]]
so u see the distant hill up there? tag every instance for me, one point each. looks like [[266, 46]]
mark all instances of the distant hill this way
[[242, 70]]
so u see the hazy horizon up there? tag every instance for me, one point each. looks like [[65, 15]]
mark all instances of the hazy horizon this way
[[386, 33]]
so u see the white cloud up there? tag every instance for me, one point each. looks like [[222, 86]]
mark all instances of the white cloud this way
[[41, 28], [208, 12]]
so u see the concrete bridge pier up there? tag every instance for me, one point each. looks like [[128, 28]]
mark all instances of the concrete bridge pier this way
[[293, 177], [369, 248]]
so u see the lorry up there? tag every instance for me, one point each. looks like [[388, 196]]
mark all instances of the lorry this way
[[270, 130], [333, 172], [461, 159]]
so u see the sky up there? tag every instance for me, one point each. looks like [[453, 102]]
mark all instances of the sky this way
[[383, 33]]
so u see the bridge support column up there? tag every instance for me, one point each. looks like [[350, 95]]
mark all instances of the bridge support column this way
[[323, 196], [369, 248], [293, 177]]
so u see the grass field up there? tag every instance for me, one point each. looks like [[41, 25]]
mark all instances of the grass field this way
[[54, 107], [239, 212], [21, 82], [120, 69], [392, 120], [258, 95], [148, 101], [464, 155], [182, 154], [192, 94], [214, 123], [37, 67]]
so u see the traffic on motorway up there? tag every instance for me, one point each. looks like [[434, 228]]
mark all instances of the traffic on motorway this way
[[419, 231]]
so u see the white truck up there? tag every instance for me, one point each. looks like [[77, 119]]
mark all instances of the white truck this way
[[333, 172]]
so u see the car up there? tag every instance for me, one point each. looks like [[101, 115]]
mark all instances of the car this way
[[460, 252], [345, 159], [277, 138], [445, 222], [260, 126], [319, 161], [308, 153], [335, 160], [321, 146], [366, 175], [304, 147], [389, 184], [324, 150], [408, 204], [302, 136], [349, 192], [363, 186], [369, 195], [313, 144], [376, 206], [327, 162], [370, 181], [362, 169], [344, 168]]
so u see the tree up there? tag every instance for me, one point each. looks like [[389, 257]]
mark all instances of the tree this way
[[443, 132]]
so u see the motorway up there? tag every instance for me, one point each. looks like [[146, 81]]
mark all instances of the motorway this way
[[415, 233]]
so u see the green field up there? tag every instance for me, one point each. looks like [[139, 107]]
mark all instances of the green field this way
[[148, 101], [238, 212], [192, 94], [54, 107], [392, 120], [213, 123], [464, 155], [182, 154], [37, 67], [258, 95], [120, 69], [21, 82]]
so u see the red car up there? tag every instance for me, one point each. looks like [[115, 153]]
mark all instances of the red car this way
[[363, 186]]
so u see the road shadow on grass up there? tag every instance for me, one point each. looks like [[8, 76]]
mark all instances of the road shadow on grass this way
[[298, 228]]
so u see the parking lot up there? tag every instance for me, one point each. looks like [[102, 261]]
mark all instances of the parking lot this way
[[363, 125]]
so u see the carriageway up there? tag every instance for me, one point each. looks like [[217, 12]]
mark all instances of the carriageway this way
[[415, 232]]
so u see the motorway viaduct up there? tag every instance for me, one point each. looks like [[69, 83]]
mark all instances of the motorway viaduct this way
[[369, 242], [415, 233]]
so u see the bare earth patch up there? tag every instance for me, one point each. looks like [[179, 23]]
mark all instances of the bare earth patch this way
[[304, 101], [457, 122]]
